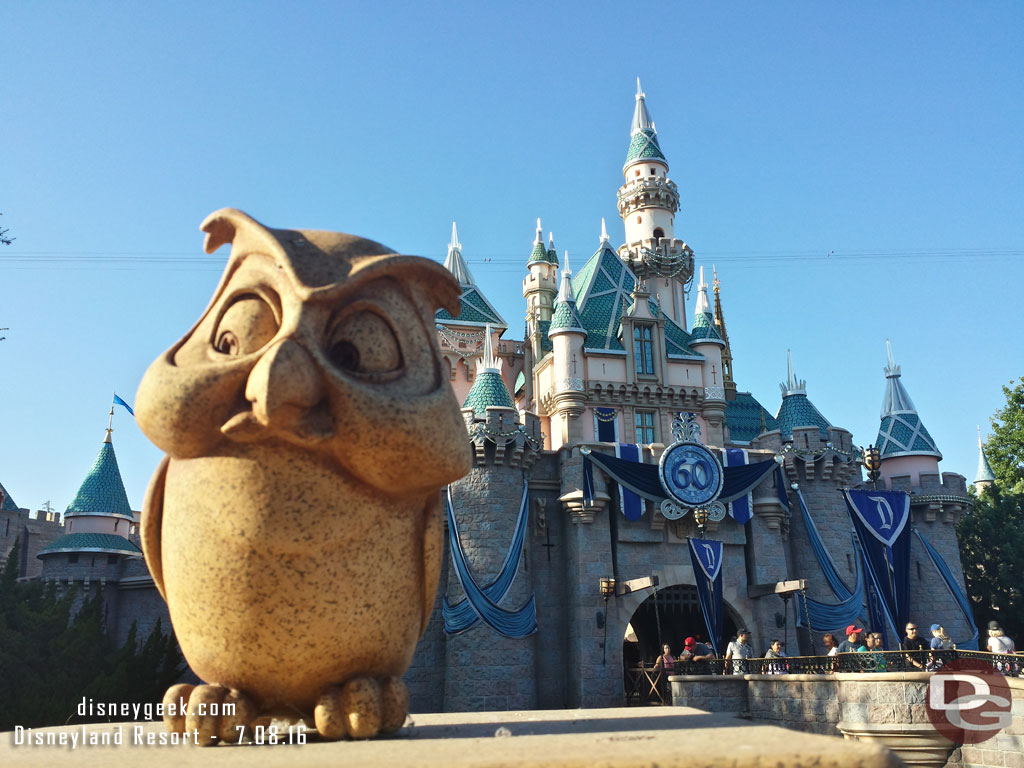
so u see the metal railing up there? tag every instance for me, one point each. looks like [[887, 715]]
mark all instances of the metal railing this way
[[1011, 665]]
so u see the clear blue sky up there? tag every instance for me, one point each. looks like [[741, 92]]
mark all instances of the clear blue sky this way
[[889, 134]]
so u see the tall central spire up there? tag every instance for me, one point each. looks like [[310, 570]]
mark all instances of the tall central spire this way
[[643, 136], [454, 262]]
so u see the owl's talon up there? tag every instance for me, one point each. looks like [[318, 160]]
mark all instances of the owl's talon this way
[[394, 704], [212, 712], [362, 708]]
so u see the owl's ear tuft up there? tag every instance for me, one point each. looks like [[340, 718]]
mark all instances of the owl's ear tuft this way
[[220, 227]]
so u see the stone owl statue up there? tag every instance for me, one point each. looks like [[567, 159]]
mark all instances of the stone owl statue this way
[[294, 526]]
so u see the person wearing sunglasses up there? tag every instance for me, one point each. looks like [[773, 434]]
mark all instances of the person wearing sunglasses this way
[[912, 641]]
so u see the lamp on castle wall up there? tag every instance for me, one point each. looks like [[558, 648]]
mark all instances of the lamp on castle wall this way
[[607, 590], [873, 463], [700, 517]]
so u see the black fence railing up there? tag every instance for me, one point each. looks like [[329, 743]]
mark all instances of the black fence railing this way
[[1011, 665]]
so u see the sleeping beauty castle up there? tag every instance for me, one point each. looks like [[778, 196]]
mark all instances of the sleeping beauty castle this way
[[625, 490]]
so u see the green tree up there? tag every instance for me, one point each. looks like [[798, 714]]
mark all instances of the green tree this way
[[991, 534], [4, 239], [52, 655], [1005, 447]]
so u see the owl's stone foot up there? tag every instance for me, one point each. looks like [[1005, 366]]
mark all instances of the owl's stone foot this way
[[362, 708], [212, 712]]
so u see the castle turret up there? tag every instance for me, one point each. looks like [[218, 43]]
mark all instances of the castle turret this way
[[648, 202], [903, 442], [98, 521], [540, 286], [567, 335], [985, 476], [705, 340], [727, 378], [796, 409], [462, 338], [488, 387]]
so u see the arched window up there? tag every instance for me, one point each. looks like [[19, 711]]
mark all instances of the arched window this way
[[658, 233], [643, 349]]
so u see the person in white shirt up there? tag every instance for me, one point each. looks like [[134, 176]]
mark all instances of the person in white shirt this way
[[738, 652], [997, 641]]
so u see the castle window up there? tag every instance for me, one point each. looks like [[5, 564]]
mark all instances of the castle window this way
[[639, 219], [637, 173], [652, 171], [644, 422], [659, 233], [73, 558], [643, 349]]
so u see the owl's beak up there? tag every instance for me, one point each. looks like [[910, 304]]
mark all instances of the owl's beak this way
[[287, 393]]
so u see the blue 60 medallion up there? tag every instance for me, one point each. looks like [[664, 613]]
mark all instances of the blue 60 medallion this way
[[690, 474]]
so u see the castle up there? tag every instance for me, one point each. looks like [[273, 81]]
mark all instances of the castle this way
[[611, 354]]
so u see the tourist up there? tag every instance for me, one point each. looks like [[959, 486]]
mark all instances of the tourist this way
[[831, 646], [853, 642], [738, 652], [666, 662], [998, 642], [874, 643], [775, 652], [911, 642], [696, 652], [940, 640]]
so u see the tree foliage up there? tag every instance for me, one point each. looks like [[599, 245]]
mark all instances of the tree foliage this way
[[4, 239], [991, 535], [1005, 447], [51, 656]]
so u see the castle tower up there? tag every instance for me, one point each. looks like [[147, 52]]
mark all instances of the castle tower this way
[[727, 378], [567, 335], [540, 286], [985, 477], [462, 338], [906, 448], [706, 341], [97, 525], [484, 670], [797, 410], [648, 202]]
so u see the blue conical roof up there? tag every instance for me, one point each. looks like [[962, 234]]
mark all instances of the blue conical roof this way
[[985, 473], [796, 409], [901, 432], [102, 492], [488, 389], [8, 503]]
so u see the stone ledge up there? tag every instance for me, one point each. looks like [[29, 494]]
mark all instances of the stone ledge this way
[[670, 737]]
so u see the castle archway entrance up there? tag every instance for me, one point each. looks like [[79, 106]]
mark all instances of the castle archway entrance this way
[[669, 616]]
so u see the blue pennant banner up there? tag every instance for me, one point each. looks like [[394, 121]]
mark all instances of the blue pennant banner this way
[[706, 560], [880, 520], [742, 509], [883, 513], [631, 505]]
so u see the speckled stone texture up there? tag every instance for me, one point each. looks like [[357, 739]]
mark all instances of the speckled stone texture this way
[[295, 528]]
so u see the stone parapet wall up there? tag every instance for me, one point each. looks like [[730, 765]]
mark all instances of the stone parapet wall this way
[[888, 707]]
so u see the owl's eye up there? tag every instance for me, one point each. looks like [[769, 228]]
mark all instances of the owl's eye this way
[[246, 326], [363, 342]]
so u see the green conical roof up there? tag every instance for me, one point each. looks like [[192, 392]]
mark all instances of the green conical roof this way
[[488, 389], [102, 491], [566, 319], [643, 136], [985, 473], [539, 253], [901, 432]]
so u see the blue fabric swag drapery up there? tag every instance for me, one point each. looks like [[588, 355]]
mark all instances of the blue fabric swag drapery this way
[[706, 559], [954, 589], [482, 604], [631, 505], [881, 520], [642, 479], [827, 615], [742, 509]]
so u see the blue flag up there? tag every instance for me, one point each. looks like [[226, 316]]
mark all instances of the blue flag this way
[[119, 401]]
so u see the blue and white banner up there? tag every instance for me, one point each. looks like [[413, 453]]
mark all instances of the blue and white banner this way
[[880, 520], [742, 509], [709, 556], [883, 514], [632, 506], [706, 560]]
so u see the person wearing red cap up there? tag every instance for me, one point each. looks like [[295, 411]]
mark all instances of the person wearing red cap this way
[[695, 651], [853, 642]]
